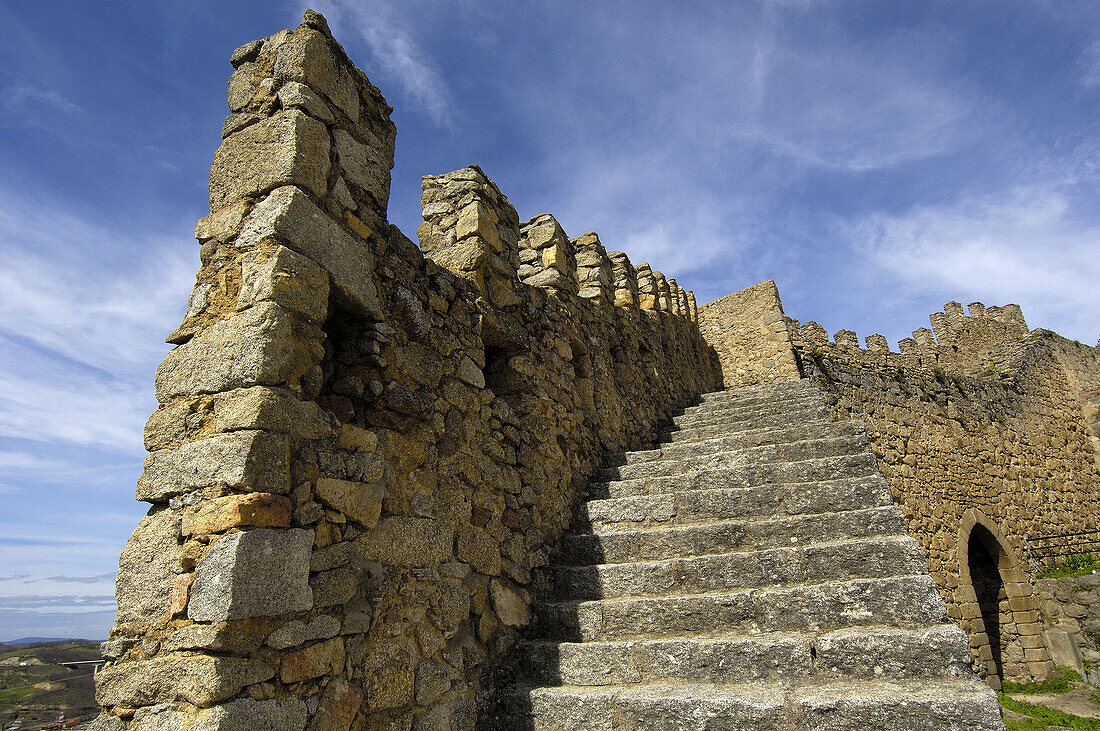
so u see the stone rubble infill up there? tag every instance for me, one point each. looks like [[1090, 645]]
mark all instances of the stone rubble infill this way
[[757, 576]]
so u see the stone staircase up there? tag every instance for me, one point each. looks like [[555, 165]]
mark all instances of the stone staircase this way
[[752, 572]]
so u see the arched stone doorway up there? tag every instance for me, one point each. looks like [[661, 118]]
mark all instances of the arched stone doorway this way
[[983, 552], [999, 607]]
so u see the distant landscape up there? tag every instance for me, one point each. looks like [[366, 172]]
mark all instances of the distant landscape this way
[[38, 690]]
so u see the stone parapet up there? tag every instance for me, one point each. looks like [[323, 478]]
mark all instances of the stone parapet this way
[[749, 331], [995, 438], [364, 449]]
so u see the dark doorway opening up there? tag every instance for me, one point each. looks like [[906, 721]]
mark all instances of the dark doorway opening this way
[[984, 552]]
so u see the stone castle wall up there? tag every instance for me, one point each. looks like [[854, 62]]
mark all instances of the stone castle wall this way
[[364, 446], [749, 331], [975, 423], [367, 447], [1070, 606]]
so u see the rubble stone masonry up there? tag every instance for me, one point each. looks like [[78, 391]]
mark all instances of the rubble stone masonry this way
[[983, 429], [365, 446]]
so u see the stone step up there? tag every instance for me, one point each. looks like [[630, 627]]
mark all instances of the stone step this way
[[764, 389], [792, 402], [852, 443], [765, 705], [696, 504], [810, 564], [726, 443], [861, 652], [815, 415], [758, 543], [717, 413], [609, 545], [754, 395], [900, 600], [814, 469]]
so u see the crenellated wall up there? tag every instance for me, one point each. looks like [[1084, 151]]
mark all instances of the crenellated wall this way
[[978, 424], [364, 446], [986, 432]]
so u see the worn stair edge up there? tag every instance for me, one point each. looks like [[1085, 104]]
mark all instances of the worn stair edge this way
[[809, 470], [863, 652], [905, 600], [678, 435], [814, 563], [934, 705], [728, 413], [848, 444], [729, 443], [605, 545]]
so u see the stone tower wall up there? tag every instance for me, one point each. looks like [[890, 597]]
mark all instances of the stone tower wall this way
[[749, 331], [976, 422], [365, 448]]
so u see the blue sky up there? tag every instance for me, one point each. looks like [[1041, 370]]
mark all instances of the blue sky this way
[[875, 159]]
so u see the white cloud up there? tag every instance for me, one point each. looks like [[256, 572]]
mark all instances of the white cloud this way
[[1090, 65], [1025, 245], [75, 602], [685, 153], [393, 47], [21, 461], [37, 107], [84, 309]]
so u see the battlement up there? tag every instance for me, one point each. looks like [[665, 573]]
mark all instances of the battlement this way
[[472, 229], [949, 327], [956, 340], [365, 448]]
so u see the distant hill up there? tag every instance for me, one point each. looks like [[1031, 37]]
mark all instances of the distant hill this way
[[37, 687], [25, 641]]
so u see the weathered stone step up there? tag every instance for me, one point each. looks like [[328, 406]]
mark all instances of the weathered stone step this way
[[696, 504], [900, 600], [747, 458], [727, 443], [863, 652], [813, 469], [784, 403], [608, 545], [757, 395], [774, 392], [816, 415], [949, 705], [717, 413], [698, 659], [764, 705], [811, 564]]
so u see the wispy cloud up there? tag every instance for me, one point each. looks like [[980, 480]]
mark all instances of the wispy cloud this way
[[37, 107], [71, 615], [95, 579], [1026, 244], [23, 461], [691, 156], [80, 334], [8, 538], [393, 47], [73, 602], [1090, 65]]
